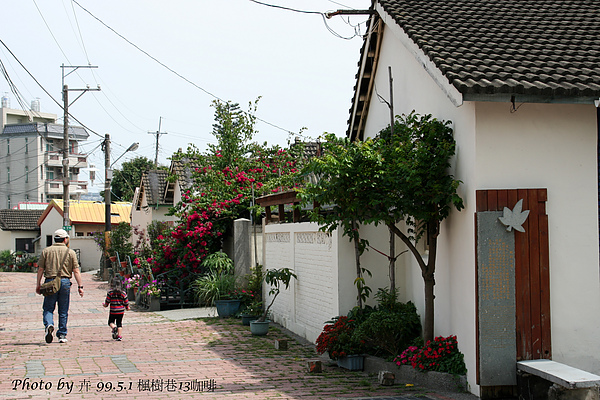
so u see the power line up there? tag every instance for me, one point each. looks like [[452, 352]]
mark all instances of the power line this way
[[44, 89], [287, 8], [170, 69]]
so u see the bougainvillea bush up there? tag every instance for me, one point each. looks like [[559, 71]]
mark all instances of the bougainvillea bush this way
[[440, 355], [224, 181]]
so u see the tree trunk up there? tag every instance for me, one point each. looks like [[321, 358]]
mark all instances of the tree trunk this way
[[392, 261], [429, 279], [429, 309], [357, 258]]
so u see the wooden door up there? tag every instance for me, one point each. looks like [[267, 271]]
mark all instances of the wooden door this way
[[532, 273]]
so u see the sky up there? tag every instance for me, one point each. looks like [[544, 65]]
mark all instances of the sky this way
[[164, 63]]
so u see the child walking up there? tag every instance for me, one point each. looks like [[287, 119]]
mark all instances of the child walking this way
[[117, 299]]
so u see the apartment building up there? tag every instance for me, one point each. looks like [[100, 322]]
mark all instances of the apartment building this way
[[31, 157]]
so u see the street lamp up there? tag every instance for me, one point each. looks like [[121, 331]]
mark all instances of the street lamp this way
[[133, 147]]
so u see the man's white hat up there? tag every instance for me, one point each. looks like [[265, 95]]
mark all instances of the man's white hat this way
[[61, 233]]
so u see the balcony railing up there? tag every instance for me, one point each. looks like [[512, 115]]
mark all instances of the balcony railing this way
[[54, 159], [55, 187]]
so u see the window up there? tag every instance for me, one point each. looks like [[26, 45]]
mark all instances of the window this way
[[26, 197], [41, 173], [50, 174], [8, 146], [79, 234], [72, 146], [8, 174], [8, 202], [48, 240], [26, 174], [24, 245], [26, 145], [49, 145]]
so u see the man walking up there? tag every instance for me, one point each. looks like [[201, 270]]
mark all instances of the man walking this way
[[57, 260]]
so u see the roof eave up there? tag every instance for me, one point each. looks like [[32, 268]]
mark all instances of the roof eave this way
[[530, 98]]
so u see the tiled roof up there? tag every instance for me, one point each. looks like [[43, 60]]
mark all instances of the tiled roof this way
[[547, 48], [19, 220], [154, 183], [183, 169]]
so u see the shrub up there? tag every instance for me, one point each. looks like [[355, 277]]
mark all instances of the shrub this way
[[390, 330], [440, 355]]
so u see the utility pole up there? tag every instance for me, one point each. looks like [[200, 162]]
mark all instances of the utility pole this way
[[107, 179], [65, 161], [157, 133]]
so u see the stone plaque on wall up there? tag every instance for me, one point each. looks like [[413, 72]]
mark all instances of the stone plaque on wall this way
[[496, 301]]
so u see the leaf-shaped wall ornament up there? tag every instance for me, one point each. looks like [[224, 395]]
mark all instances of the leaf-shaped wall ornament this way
[[514, 219]]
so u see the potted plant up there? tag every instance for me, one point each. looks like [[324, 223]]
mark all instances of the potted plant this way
[[132, 285], [252, 312], [218, 287], [339, 340], [275, 278], [152, 291]]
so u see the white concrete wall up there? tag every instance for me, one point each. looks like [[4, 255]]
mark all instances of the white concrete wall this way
[[554, 146], [89, 252], [313, 298]]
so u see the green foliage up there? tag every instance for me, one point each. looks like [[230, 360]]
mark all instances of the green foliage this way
[[212, 287], [126, 179], [218, 263], [383, 330], [364, 291], [120, 242], [418, 186], [341, 179], [7, 258], [276, 278], [396, 177], [390, 330], [255, 280]]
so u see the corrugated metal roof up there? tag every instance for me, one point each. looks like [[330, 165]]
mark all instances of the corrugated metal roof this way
[[91, 212]]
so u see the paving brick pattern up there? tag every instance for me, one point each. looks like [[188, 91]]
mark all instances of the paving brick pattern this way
[[158, 358]]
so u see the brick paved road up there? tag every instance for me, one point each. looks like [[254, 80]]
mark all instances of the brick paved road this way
[[158, 358]]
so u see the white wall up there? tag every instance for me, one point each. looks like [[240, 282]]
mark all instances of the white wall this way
[[554, 146], [313, 298], [89, 252]]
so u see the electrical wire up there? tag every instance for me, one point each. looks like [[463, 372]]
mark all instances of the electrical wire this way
[[46, 91], [287, 8], [170, 69]]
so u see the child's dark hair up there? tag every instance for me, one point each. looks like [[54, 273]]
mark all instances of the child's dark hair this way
[[116, 284]]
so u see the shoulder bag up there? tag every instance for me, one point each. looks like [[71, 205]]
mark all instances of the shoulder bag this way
[[49, 288]]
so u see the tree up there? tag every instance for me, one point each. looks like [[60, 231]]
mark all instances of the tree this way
[[225, 178], [344, 178], [421, 191], [128, 177], [400, 176]]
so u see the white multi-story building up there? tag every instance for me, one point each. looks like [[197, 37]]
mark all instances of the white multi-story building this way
[[31, 157]]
